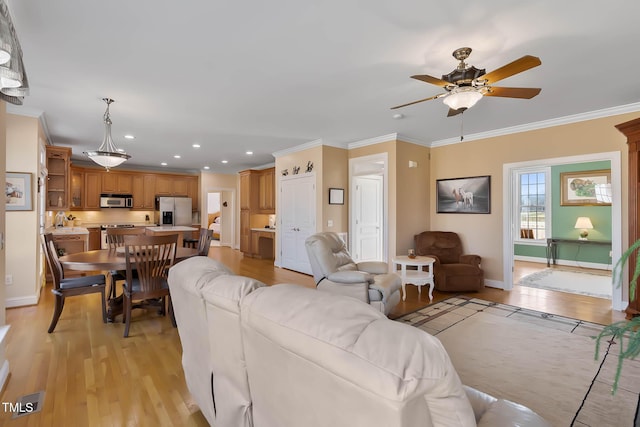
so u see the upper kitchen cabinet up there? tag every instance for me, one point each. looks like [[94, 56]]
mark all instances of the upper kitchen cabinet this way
[[144, 191], [77, 189], [117, 183], [172, 185], [267, 196], [58, 180]]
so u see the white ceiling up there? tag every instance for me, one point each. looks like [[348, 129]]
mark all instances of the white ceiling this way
[[265, 76]]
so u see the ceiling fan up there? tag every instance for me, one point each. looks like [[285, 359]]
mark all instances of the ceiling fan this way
[[465, 85]]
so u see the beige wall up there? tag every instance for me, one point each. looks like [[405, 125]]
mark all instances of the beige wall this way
[[482, 234], [335, 174], [3, 154], [22, 233], [412, 194]]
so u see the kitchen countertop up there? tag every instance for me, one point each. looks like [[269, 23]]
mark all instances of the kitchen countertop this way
[[171, 228], [66, 230], [268, 230]]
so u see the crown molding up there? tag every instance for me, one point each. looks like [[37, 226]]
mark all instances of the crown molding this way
[[575, 118], [372, 141], [307, 145]]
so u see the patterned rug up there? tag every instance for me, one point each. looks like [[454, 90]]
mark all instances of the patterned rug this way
[[539, 360], [575, 282]]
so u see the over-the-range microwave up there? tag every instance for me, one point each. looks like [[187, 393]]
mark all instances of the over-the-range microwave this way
[[116, 201]]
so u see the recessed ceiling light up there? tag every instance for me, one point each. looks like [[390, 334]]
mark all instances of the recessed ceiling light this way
[[249, 152], [225, 161], [129, 137], [206, 168], [196, 145], [163, 164], [177, 156], [398, 116]]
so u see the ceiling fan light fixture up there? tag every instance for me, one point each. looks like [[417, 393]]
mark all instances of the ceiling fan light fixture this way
[[462, 97], [107, 155]]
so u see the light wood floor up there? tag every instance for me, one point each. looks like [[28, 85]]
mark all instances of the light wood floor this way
[[91, 375]]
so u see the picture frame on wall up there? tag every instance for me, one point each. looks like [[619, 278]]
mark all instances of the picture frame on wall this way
[[336, 196], [470, 195], [18, 191], [585, 188]]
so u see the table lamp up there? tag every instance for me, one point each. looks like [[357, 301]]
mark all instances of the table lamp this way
[[584, 224]]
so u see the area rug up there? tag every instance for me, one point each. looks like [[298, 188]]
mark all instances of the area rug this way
[[539, 360], [576, 282]]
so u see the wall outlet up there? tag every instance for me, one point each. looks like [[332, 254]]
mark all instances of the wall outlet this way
[[330, 223], [8, 279], [610, 254]]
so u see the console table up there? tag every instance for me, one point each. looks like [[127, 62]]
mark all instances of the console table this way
[[552, 246]]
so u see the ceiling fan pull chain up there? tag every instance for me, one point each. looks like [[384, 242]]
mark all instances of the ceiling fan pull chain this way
[[461, 126]]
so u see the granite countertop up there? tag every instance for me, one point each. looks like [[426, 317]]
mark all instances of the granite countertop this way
[[171, 228], [66, 230]]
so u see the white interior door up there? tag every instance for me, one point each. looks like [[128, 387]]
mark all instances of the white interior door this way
[[368, 218], [297, 212]]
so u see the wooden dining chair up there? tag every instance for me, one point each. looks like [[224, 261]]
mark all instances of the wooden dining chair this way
[[204, 242], [151, 257], [115, 239], [63, 288]]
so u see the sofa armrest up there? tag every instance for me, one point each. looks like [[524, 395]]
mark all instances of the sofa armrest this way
[[373, 267], [470, 259], [350, 276]]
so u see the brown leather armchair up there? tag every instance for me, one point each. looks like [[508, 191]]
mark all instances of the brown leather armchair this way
[[453, 271]]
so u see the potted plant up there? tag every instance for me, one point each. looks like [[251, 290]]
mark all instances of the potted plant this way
[[626, 332]]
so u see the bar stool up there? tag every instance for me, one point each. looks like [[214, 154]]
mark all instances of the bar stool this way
[[189, 242]]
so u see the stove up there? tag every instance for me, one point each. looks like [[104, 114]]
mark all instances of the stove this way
[[103, 233], [105, 226]]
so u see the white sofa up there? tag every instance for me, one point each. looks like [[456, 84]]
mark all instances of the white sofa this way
[[289, 356]]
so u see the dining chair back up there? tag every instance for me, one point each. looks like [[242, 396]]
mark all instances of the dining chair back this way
[[150, 257], [204, 242], [63, 287], [115, 239]]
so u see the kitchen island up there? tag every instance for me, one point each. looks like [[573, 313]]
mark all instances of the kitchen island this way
[[166, 230]]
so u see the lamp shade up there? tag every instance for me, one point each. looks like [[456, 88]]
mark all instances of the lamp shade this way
[[583, 222], [462, 97]]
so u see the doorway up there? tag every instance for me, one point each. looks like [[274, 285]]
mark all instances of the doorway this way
[[220, 218], [512, 224], [368, 217]]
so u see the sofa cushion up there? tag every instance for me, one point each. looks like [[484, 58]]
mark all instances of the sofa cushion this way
[[504, 413], [356, 366]]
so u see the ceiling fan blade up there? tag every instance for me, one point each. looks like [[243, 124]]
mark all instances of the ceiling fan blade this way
[[515, 67], [430, 79], [513, 92], [421, 100], [453, 112]]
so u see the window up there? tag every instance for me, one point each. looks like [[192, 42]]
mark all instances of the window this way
[[532, 209]]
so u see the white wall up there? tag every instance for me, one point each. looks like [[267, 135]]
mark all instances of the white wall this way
[[213, 204]]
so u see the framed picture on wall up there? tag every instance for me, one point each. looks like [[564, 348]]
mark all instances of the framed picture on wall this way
[[585, 188], [464, 195], [336, 196], [18, 191]]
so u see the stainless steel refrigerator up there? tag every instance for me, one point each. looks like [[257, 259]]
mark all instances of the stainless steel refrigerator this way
[[174, 211]]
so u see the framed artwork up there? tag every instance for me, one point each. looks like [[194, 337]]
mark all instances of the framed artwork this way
[[582, 188], [464, 195], [19, 191], [336, 196]]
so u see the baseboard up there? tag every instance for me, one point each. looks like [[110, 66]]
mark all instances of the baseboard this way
[[565, 262], [22, 301], [494, 283]]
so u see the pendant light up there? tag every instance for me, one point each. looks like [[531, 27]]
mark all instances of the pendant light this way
[[13, 78], [107, 155]]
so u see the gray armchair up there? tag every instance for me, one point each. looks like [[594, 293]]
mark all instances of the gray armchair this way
[[335, 271]]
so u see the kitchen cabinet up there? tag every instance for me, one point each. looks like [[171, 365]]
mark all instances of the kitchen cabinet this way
[[116, 183], [193, 192], [77, 189], [92, 185], [267, 194], [94, 238], [245, 232], [58, 180], [144, 191], [68, 243]]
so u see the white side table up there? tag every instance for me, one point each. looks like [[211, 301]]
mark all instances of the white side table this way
[[417, 277]]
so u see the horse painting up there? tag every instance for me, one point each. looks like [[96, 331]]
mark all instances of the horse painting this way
[[464, 197]]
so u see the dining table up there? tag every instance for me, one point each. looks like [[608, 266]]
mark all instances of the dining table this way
[[109, 260]]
